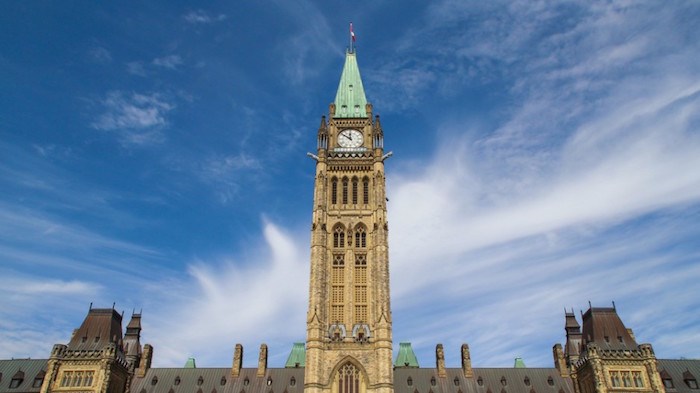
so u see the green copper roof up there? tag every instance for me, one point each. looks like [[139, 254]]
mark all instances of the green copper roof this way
[[350, 99], [190, 363], [297, 358], [519, 363], [406, 357]]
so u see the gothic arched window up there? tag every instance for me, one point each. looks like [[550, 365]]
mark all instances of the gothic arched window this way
[[334, 191], [354, 190], [349, 380], [345, 191], [365, 190], [339, 236], [360, 237]]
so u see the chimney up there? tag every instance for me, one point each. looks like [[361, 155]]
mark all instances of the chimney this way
[[262, 360], [440, 361], [466, 362], [559, 362], [146, 358], [237, 360]]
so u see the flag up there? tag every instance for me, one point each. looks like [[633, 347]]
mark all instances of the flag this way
[[352, 33]]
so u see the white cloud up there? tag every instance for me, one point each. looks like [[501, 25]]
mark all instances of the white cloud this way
[[140, 117], [100, 55], [203, 17], [170, 61], [255, 298], [135, 68]]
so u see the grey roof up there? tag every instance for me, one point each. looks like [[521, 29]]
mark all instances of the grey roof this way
[[212, 378], [31, 369], [491, 380], [421, 381], [676, 370]]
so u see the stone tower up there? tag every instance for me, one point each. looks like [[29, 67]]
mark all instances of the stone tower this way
[[348, 342], [94, 360], [605, 356]]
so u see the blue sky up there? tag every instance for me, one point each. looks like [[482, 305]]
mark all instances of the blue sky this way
[[545, 154]]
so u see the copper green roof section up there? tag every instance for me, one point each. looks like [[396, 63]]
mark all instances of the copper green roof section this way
[[350, 100], [406, 356], [519, 363], [190, 363], [297, 358]]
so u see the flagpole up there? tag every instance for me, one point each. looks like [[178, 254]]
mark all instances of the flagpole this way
[[352, 50]]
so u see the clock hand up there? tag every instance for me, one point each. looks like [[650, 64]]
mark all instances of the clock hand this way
[[347, 136]]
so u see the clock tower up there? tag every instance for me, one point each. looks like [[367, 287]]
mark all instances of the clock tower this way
[[348, 344]]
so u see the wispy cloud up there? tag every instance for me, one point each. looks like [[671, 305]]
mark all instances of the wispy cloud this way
[[225, 173], [203, 17], [135, 68], [100, 55], [170, 61], [139, 117], [237, 300]]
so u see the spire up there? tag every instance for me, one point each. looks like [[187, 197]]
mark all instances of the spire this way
[[350, 100], [406, 357], [297, 358]]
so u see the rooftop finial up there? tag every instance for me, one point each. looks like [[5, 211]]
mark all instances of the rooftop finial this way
[[352, 39]]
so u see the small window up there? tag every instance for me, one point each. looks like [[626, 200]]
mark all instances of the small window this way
[[692, 383], [269, 381], [223, 381], [200, 381], [409, 381], [37, 382], [293, 381], [619, 338], [456, 381], [607, 339], [97, 339], [432, 381], [668, 383], [15, 382], [177, 380], [357, 109], [480, 381], [527, 381], [84, 339], [504, 382], [154, 380], [550, 381]]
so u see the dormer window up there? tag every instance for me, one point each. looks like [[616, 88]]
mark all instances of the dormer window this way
[[432, 381], [223, 381], [668, 383], [550, 381], [246, 381], [409, 381], [692, 383], [39, 379], [200, 381], [269, 381], [527, 381], [154, 381], [293, 381], [177, 380], [17, 380], [504, 382], [480, 381], [456, 381]]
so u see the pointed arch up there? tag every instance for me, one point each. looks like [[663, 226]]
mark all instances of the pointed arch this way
[[360, 236], [365, 190], [348, 376], [355, 190], [345, 190], [334, 190], [339, 235]]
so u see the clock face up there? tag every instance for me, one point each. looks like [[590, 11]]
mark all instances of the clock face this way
[[350, 138]]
